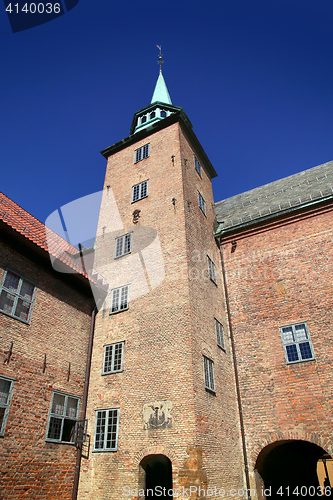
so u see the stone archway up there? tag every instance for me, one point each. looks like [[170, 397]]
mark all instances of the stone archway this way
[[288, 468], [157, 476]]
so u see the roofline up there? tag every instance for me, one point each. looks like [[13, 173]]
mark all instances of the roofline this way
[[231, 231], [34, 250], [179, 116]]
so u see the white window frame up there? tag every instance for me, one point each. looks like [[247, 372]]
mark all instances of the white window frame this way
[[120, 299], [142, 152], [113, 358], [219, 334], [63, 417], [103, 431], [211, 270], [17, 296], [140, 191], [5, 404], [197, 165], [295, 345], [202, 203], [208, 367], [123, 245]]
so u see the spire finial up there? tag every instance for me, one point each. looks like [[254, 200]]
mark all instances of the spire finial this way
[[160, 58]]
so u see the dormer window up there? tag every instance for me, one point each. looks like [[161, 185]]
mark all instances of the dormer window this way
[[152, 115], [143, 119], [163, 114]]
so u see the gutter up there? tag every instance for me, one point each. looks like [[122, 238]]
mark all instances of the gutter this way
[[239, 401], [84, 402]]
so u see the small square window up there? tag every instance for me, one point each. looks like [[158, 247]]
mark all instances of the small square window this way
[[140, 191], [143, 152], [6, 389], [202, 203], [119, 299], [209, 374], [113, 358], [197, 166], [123, 245], [296, 342], [64, 413], [106, 430], [17, 296], [219, 334], [211, 270]]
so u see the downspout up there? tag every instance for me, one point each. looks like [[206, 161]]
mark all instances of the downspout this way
[[239, 401], [84, 402]]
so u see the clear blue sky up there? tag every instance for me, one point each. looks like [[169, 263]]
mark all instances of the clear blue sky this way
[[254, 77]]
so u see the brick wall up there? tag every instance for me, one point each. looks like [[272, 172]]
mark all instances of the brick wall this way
[[280, 275], [59, 327], [168, 327]]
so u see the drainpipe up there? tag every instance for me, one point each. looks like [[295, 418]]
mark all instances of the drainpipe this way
[[239, 402], [84, 402]]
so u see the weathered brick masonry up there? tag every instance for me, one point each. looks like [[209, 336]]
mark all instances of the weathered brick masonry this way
[[279, 273], [42, 349], [165, 332]]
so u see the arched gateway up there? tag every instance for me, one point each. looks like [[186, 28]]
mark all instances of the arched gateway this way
[[288, 469], [158, 476]]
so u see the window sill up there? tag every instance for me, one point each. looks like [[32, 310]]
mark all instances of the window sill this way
[[15, 317], [105, 451], [112, 373]]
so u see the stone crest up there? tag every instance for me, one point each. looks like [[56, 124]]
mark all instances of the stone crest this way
[[157, 415]]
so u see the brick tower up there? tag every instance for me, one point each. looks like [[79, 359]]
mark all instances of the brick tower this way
[[162, 405]]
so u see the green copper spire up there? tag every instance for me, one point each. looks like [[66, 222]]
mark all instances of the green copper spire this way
[[161, 93], [160, 107]]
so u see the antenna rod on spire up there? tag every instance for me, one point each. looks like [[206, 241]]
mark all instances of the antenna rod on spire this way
[[160, 58]]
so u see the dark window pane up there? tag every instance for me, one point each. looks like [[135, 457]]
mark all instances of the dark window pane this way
[[54, 428], [58, 406], [72, 406], [292, 353], [305, 350], [67, 431], [4, 391], [2, 416], [11, 281], [22, 309], [27, 290], [6, 302]]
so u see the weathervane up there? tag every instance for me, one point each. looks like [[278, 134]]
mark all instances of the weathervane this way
[[160, 59]]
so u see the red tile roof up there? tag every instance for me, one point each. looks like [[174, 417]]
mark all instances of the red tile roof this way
[[32, 229]]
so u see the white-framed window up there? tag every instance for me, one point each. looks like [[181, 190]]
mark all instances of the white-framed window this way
[[296, 342], [113, 358], [143, 152], [119, 299], [202, 203], [219, 334], [139, 191], [106, 430], [64, 413], [6, 390], [211, 270], [123, 245], [197, 166], [208, 365], [17, 296]]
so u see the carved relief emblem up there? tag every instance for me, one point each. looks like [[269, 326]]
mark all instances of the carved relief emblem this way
[[157, 415]]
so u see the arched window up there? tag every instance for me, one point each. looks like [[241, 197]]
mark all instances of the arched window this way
[[163, 114], [143, 119], [152, 115]]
